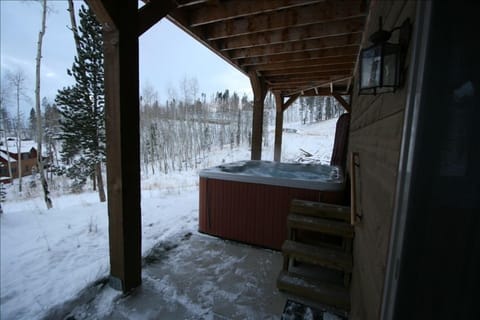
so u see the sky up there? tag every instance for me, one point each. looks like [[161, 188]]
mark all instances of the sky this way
[[167, 55]]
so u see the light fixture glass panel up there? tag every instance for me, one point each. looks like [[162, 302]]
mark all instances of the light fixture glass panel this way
[[390, 66], [371, 67]]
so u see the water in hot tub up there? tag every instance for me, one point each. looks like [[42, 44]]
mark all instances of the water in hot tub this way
[[298, 171]]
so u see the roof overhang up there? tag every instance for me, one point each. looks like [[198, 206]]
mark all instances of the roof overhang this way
[[296, 46]]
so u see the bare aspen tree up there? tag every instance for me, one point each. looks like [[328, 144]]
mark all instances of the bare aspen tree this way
[[40, 164], [17, 80], [3, 100]]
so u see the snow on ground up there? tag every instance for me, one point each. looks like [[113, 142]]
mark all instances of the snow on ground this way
[[48, 256], [316, 139]]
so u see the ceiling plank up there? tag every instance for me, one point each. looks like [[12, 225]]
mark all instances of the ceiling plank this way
[[308, 91], [289, 89], [293, 49], [302, 16], [307, 77], [294, 86], [306, 69], [314, 31], [188, 3], [349, 59], [324, 91], [298, 46], [331, 85], [286, 57], [236, 9]]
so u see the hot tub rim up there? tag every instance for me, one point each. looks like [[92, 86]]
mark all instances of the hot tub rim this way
[[337, 184]]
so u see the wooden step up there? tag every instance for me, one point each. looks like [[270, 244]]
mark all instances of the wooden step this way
[[319, 256], [343, 229], [320, 210], [315, 290]]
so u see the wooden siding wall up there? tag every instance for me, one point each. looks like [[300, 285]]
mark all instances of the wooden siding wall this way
[[27, 165], [375, 133]]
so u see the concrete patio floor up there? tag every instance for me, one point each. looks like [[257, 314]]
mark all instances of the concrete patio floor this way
[[193, 276]]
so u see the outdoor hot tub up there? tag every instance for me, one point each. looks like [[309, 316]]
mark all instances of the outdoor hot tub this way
[[248, 201]]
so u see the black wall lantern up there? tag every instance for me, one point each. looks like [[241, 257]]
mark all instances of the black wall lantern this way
[[381, 64]]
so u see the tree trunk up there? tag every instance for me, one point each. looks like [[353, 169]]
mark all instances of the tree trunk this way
[[71, 10], [101, 191], [9, 164], [19, 145], [94, 180], [40, 163]]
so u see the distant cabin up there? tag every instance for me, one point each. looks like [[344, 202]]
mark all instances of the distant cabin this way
[[28, 154]]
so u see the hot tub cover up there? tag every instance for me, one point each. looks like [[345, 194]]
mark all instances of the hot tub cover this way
[[294, 175]]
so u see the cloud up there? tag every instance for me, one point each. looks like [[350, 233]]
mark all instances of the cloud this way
[[11, 63], [49, 72]]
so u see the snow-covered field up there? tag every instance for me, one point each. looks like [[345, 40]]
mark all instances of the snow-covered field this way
[[48, 256]]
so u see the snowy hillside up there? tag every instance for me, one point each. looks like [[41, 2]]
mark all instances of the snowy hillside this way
[[48, 256]]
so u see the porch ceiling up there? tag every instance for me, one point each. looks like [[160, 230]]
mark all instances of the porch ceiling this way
[[295, 46]]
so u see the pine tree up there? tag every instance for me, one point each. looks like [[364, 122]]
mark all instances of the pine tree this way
[[51, 131], [82, 108]]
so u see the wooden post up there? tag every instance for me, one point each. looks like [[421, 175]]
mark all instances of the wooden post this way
[[342, 101], [123, 139], [277, 154], [259, 92], [280, 107]]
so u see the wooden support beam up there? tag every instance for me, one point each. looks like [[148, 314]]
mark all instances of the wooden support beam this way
[[290, 101], [320, 62], [310, 32], [304, 84], [152, 12], [236, 9], [342, 101], [188, 3], [259, 88], [308, 89], [301, 16], [342, 82], [307, 78], [123, 140], [279, 106], [297, 46], [307, 69], [105, 12], [287, 57]]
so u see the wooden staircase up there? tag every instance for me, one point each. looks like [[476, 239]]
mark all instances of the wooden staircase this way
[[318, 253]]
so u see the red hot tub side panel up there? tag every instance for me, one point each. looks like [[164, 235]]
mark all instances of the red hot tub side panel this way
[[251, 213]]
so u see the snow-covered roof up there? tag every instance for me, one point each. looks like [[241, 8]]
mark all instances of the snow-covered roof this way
[[6, 157], [26, 146]]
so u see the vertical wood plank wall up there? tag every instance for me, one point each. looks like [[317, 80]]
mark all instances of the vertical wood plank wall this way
[[250, 212], [375, 133]]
